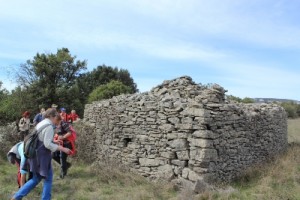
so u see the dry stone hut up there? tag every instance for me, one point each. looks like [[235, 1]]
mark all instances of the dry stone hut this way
[[184, 131]]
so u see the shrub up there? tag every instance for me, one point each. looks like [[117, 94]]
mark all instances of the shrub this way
[[107, 91]]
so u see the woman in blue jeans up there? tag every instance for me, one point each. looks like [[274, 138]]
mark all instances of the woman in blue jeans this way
[[41, 165]]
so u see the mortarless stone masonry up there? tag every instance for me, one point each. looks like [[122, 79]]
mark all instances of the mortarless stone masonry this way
[[184, 131]]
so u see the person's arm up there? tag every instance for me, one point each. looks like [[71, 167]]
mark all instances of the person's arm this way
[[65, 127], [48, 134], [63, 149], [22, 164], [35, 119], [47, 138], [65, 136]]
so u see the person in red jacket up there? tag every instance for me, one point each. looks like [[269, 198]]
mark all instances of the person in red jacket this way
[[66, 136], [73, 116]]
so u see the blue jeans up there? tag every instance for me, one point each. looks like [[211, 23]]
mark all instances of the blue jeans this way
[[47, 186]]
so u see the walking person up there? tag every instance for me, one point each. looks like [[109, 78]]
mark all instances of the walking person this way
[[41, 165], [24, 125], [64, 135]]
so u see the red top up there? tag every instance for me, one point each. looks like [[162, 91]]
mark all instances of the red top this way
[[64, 116], [73, 117]]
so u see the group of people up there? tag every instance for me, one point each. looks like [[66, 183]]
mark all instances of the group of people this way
[[55, 140]]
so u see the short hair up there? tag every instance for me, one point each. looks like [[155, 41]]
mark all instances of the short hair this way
[[51, 112], [26, 114]]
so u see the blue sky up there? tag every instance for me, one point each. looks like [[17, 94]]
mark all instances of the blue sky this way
[[251, 48]]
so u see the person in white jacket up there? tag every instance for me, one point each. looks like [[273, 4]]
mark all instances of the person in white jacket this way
[[24, 125]]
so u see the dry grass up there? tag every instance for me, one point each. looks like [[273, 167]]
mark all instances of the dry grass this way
[[294, 130], [90, 182]]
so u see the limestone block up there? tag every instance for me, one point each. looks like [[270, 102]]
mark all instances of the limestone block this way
[[145, 162], [179, 163], [172, 136], [196, 112], [193, 176], [204, 154], [187, 120], [133, 146], [206, 134], [143, 138], [183, 155], [168, 154], [166, 172], [185, 173], [177, 170], [178, 144], [203, 143], [161, 115], [200, 170], [174, 120], [166, 127], [184, 126], [150, 119], [145, 169], [184, 135]]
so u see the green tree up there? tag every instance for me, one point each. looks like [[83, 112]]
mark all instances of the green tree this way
[[247, 100], [103, 75], [48, 77], [113, 88], [12, 105], [239, 100], [233, 98], [3, 91], [292, 109]]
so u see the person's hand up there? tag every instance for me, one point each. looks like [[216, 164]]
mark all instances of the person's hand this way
[[67, 151], [57, 141], [60, 137]]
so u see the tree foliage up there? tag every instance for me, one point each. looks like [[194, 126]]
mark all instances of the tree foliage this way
[[239, 100], [109, 90], [101, 75], [59, 78], [48, 78], [104, 74], [12, 105]]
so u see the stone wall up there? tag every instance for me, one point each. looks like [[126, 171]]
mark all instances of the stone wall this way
[[182, 130]]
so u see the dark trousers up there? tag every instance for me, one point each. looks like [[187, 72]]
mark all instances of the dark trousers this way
[[61, 157]]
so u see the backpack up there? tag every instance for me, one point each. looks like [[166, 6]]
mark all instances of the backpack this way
[[31, 141]]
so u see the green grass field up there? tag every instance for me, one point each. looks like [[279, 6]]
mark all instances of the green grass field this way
[[279, 179]]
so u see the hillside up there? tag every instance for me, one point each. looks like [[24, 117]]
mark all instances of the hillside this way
[[270, 100]]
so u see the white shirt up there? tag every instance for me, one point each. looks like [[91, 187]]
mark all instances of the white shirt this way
[[47, 134]]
